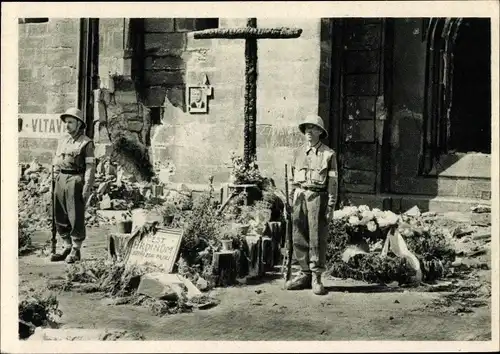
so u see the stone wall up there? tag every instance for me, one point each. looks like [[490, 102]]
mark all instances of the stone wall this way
[[48, 57]]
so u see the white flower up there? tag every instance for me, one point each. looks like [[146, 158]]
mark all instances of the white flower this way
[[354, 220], [367, 214], [363, 208], [371, 226], [377, 212], [350, 210]]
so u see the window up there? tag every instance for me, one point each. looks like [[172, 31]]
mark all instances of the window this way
[[457, 113]]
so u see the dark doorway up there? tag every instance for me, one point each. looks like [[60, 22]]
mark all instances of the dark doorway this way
[[470, 115]]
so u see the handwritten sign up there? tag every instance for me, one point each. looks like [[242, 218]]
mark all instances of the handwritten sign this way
[[160, 249], [40, 125]]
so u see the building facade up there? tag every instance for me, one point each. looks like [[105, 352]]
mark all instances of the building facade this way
[[408, 111]]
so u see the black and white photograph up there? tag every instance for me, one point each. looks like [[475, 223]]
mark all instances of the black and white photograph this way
[[340, 187], [197, 100]]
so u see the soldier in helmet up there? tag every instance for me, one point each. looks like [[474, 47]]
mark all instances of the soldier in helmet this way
[[74, 164], [314, 199]]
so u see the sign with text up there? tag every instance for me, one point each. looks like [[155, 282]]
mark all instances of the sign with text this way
[[39, 125], [160, 249]]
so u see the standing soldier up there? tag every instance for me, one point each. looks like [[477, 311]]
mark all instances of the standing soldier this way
[[314, 199], [74, 164]]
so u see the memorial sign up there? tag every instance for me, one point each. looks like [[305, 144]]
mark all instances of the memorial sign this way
[[160, 249]]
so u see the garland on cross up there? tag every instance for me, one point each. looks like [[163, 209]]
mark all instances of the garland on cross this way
[[250, 34]]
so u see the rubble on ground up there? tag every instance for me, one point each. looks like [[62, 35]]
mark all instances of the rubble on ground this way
[[113, 189]]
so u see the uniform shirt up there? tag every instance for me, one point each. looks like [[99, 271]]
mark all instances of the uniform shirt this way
[[316, 167], [74, 153]]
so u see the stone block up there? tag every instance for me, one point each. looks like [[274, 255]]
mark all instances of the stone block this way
[[360, 156], [67, 26], [359, 177], [360, 131], [360, 107], [362, 61], [62, 56], [63, 41], [473, 188], [168, 78], [362, 84], [164, 63], [358, 188], [162, 286], [123, 83], [158, 25], [362, 36], [126, 97], [62, 74], [164, 43], [135, 126], [37, 29]]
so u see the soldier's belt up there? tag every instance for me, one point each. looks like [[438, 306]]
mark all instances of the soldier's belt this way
[[72, 172], [314, 189]]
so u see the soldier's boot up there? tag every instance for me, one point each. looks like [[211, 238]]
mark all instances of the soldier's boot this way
[[299, 282], [74, 256], [59, 257], [317, 285]]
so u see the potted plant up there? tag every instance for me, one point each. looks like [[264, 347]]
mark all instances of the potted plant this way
[[168, 212], [125, 223]]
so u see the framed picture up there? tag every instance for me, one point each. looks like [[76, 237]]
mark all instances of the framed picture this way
[[197, 100]]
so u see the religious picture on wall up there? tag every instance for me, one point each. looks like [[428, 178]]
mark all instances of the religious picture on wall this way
[[197, 100]]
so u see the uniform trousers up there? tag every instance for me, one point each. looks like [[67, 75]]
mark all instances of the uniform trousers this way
[[310, 229], [70, 208]]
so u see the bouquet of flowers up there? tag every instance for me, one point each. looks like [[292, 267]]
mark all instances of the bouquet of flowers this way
[[365, 223], [241, 173]]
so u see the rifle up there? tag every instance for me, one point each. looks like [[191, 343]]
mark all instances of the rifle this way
[[54, 231], [287, 260]]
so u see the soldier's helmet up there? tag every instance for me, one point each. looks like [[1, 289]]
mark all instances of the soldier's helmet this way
[[75, 113], [314, 120]]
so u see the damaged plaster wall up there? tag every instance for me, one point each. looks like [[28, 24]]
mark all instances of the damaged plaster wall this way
[[199, 145]]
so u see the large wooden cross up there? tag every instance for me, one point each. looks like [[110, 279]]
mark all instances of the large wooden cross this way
[[250, 34]]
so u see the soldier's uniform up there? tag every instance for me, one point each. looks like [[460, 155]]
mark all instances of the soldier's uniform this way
[[314, 196], [74, 164]]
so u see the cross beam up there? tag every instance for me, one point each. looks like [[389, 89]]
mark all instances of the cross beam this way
[[250, 34]]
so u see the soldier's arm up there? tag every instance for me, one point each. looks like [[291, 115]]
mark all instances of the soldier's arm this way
[[332, 182], [89, 170]]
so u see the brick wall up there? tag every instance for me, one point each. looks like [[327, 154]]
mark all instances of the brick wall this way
[[48, 56]]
